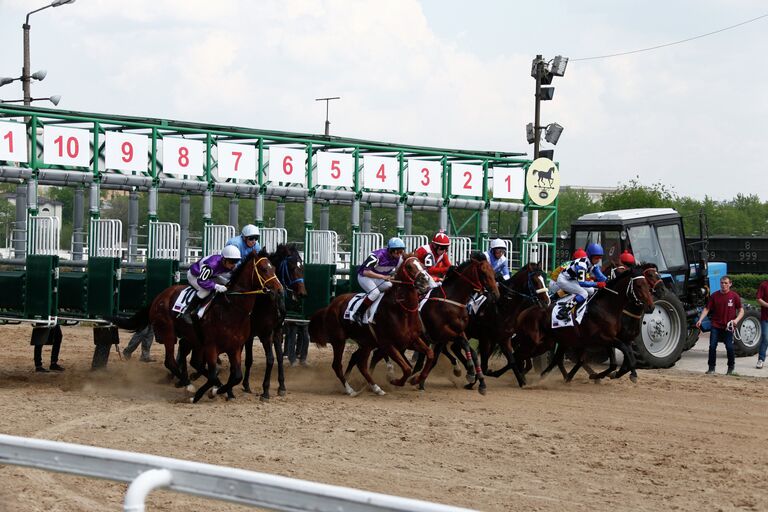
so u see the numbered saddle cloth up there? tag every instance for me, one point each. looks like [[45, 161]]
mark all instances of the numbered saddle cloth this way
[[354, 304], [475, 301], [182, 301], [562, 314]]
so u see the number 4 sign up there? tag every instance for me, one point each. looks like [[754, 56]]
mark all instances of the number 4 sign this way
[[381, 173], [13, 142], [466, 180]]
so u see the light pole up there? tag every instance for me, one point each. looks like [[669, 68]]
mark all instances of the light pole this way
[[327, 122], [543, 72], [55, 99], [25, 76]]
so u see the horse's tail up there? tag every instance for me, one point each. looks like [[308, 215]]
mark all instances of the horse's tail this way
[[135, 323], [316, 331]]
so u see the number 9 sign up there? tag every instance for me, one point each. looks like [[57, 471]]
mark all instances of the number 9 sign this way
[[126, 151], [425, 176]]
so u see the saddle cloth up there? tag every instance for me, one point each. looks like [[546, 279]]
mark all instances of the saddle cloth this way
[[182, 302], [475, 301], [566, 304], [354, 304]]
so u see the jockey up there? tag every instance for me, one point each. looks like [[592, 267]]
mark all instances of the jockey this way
[[376, 271], [434, 256], [202, 277], [626, 262], [553, 286], [247, 242], [575, 278], [497, 258]]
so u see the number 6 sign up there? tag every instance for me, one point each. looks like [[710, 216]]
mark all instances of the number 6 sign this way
[[466, 180], [13, 142], [66, 146], [335, 169], [286, 165], [126, 151], [425, 176], [183, 156]]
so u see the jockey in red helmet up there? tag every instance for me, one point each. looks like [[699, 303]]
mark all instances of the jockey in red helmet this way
[[626, 258], [434, 256]]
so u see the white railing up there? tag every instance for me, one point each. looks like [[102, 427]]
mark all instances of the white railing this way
[[215, 236], [43, 235], [460, 249], [413, 242], [272, 237], [149, 472], [321, 247], [164, 241], [105, 238], [364, 244], [536, 252]]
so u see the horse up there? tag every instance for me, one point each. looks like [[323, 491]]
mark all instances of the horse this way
[[224, 328], [396, 325], [545, 176], [494, 327], [268, 316], [445, 318], [601, 325]]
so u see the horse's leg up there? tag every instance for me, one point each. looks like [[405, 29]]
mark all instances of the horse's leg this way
[[607, 371], [559, 354], [353, 360], [277, 341], [235, 357], [338, 353], [425, 352], [266, 342], [475, 362], [362, 365], [402, 363], [629, 362], [509, 353], [579, 363], [181, 360], [248, 364], [456, 349], [210, 361]]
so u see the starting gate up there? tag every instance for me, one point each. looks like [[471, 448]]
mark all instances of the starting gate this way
[[43, 235], [536, 252], [460, 249], [321, 247], [272, 237], [105, 238], [215, 236], [413, 242], [364, 244]]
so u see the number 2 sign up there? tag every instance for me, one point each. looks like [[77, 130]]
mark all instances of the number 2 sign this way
[[13, 142], [287, 165], [335, 169], [466, 180], [183, 156], [66, 146], [236, 161], [425, 176], [126, 151]]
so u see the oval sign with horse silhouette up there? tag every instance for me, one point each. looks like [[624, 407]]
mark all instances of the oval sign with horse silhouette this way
[[542, 181]]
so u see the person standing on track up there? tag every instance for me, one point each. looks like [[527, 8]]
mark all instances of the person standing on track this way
[[725, 310]]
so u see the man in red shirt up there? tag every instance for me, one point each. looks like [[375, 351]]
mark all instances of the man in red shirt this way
[[434, 256], [726, 311], [762, 299]]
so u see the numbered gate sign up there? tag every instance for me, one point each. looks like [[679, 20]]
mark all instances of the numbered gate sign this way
[[286, 165], [13, 142], [183, 156], [466, 180], [381, 173], [126, 151], [66, 146], [236, 161], [335, 169], [424, 176], [508, 183]]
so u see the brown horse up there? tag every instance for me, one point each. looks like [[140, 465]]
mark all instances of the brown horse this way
[[396, 325], [601, 325], [494, 327], [269, 314]]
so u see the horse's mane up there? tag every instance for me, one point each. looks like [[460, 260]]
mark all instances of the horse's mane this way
[[236, 273]]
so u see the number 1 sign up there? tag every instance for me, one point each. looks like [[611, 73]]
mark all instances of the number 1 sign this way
[[66, 146], [466, 180], [126, 151], [425, 176], [236, 161], [508, 183], [13, 142], [183, 156]]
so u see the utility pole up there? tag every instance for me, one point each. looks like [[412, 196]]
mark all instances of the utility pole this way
[[327, 122]]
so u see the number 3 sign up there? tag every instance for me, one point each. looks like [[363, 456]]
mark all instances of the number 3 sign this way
[[424, 176]]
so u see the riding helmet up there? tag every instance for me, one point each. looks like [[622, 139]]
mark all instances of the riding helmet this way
[[594, 250], [395, 243]]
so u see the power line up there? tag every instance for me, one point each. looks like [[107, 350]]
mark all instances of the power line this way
[[673, 43]]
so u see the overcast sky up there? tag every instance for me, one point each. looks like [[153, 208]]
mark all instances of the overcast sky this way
[[443, 73]]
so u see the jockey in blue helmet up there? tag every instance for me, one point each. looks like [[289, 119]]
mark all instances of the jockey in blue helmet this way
[[247, 242], [376, 271], [575, 279]]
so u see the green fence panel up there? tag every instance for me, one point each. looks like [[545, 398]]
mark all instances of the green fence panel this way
[[160, 275], [73, 293], [41, 287], [318, 279], [103, 286], [354, 286], [133, 291], [12, 291]]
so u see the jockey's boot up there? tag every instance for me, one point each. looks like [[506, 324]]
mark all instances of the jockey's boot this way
[[358, 316], [194, 303], [580, 303]]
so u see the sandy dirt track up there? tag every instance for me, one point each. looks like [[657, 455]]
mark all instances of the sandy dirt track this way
[[673, 441]]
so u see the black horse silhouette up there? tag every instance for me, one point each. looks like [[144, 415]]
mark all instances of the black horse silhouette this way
[[545, 176]]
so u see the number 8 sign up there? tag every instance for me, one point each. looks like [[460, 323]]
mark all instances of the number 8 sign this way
[[183, 156]]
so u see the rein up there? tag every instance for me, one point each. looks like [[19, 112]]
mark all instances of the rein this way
[[262, 282]]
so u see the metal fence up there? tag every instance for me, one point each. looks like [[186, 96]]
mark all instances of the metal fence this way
[[413, 242], [512, 256], [272, 237], [537, 252], [364, 244], [215, 236], [149, 472], [105, 238], [321, 247], [460, 249], [43, 235], [164, 240]]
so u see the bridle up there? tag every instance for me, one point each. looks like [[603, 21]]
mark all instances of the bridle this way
[[284, 273], [474, 283], [262, 281], [410, 280], [533, 292]]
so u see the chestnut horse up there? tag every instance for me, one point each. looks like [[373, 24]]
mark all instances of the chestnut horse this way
[[494, 327], [269, 314], [396, 325], [601, 325]]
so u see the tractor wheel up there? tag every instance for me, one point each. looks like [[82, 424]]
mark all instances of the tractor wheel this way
[[663, 333], [691, 338], [749, 332]]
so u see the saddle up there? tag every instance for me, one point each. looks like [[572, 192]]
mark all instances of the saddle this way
[[354, 304], [563, 314], [185, 298]]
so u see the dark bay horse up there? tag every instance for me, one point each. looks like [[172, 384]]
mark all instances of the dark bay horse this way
[[601, 325], [396, 325], [269, 314], [494, 325]]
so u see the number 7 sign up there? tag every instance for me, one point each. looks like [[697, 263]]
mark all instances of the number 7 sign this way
[[236, 161]]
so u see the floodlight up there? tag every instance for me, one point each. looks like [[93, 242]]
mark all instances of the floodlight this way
[[535, 65], [57, 3], [547, 153], [529, 133], [55, 99], [547, 93], [5, 80], [546, 76], [558, 65], [39, 75], [553, 133]]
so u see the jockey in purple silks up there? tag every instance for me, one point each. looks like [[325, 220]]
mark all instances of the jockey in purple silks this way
[[376, 271], [202, 277]]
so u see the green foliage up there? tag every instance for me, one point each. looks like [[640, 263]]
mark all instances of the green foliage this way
[[746, 285], [573, 203], [636, 195]]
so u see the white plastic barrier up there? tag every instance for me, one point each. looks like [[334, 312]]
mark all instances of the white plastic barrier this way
[[164, 241], [272, 237], [105, 238], [537, 252], [413, 242], [364, 244], [148, 472], [321, 247], [43, 235], [215, 236], [460, 249]]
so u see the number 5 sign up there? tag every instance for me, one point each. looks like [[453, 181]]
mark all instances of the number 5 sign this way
[[66, 146], [183, 156], [466, 180], [13, 142], [286, 165], [335, 169], [425, 176], [126, 151]]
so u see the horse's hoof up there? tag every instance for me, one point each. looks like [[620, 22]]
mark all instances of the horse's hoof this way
[[247, 389], [376, 389], [457, 371], [414, 381], [281, 392], [355, 393], [633, 378], [190, 388], [471, 378], [212, 392], [264, 398], [229, 397], [471, 385], [482, 390], [348, 389], [192, 400]]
